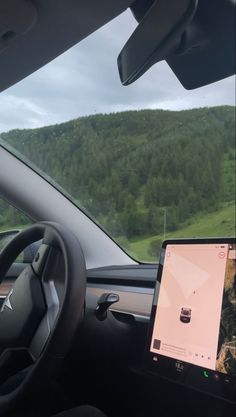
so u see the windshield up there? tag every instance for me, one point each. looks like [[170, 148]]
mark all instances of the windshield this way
[[147, 162]]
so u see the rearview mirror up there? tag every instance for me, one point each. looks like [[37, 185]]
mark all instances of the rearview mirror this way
[[195, 37], [156, 36]]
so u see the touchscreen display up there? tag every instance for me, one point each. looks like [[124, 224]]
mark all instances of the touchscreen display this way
[[193, 326]]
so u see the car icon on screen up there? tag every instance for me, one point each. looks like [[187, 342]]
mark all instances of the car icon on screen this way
[[185, 315]]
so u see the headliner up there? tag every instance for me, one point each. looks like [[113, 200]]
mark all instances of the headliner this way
[[59, 25]]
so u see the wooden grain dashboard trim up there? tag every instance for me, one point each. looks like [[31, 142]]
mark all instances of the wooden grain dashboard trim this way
[[133, 302], [137, 303], [5, 287]]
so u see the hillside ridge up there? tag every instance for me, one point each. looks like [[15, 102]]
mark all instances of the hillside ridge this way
[[125, 168]]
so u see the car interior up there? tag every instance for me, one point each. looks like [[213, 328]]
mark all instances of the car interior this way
[[86, 329]]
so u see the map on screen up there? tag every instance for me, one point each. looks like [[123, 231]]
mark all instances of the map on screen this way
[[195, 313]]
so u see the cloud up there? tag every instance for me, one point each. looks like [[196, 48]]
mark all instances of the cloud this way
[[85, 80], [14, 110]]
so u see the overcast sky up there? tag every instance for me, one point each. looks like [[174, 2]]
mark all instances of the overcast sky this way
[[85, 81]]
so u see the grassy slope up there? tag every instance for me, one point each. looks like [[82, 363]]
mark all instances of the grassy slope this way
[[219, 223]]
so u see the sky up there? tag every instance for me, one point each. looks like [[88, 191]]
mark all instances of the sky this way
[[85, 80]]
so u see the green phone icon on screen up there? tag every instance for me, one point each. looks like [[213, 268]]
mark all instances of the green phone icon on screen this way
[[205, 374]]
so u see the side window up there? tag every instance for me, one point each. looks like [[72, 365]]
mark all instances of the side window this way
[[11, 222]]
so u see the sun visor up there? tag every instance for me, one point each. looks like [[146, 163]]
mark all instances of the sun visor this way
[[17, 17], [33, 33]]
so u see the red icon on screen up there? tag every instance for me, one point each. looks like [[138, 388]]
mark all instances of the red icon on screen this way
[[221, 255]]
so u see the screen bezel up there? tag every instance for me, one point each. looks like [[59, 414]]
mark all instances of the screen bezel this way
[[221, 389]]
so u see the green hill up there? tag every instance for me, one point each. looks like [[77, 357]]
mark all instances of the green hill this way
[[218, 223], [125, 169]]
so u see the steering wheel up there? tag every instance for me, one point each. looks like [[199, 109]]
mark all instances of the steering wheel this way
[[41, 313]]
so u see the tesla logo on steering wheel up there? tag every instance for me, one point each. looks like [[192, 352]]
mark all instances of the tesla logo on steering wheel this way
[[7, 302]]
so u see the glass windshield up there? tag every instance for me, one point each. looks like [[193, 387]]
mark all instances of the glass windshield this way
[[146, 162]]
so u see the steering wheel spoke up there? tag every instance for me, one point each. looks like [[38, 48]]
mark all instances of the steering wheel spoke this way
[[21, 311], [41, 313]]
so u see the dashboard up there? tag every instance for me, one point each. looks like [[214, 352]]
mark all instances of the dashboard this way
[[110, 352]]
